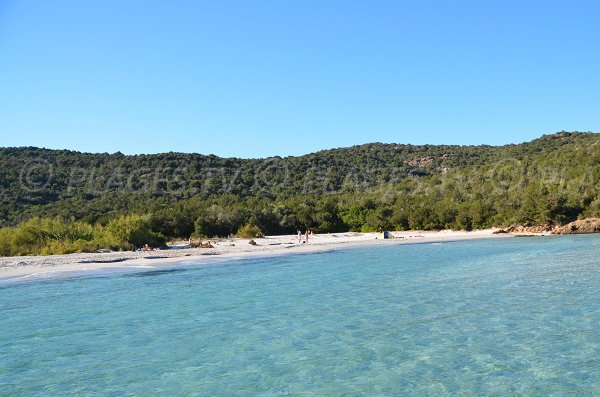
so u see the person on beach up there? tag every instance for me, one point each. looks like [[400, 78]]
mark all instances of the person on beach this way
[[299, 237], [306, 237]]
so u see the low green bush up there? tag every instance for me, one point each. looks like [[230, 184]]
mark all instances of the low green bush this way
[[249, 231], [47, 236]]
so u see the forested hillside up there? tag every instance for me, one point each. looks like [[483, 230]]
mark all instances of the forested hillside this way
[[368, 187]]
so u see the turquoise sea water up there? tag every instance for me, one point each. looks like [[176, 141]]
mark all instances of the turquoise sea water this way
[[506, 317]]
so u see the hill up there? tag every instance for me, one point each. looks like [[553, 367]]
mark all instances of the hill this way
[[367, 187]]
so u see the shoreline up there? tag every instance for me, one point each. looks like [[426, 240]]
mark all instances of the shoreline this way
[[14, 269]]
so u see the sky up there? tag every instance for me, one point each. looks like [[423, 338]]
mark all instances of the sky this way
[[263, 78]]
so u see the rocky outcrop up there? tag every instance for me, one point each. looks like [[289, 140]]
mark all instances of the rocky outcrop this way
[[583, 226], [421, 162], [427, 161], [527, 228]]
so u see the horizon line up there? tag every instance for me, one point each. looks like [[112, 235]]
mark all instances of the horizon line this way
[[118, 152]]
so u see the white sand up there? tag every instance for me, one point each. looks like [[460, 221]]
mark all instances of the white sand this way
[[23, 267]]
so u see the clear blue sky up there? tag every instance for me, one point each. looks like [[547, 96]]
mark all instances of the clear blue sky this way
[[261, 78]]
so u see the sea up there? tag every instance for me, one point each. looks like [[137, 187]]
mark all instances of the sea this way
[[493, 317]]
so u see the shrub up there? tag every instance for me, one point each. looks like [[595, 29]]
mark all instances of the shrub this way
[[47, 236], [7, 242], [249, 231], [131, 230]]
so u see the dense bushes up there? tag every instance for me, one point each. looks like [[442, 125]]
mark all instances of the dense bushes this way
[[40, 236], [48, 236], [130, 231], [250, 231]]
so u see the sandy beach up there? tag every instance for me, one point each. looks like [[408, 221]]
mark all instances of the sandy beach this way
[[23, 267]]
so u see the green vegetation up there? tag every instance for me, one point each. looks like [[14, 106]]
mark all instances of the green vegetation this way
[[45, 236], [63, 201], [250, 231]]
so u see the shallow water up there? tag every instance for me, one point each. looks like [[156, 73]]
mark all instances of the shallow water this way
[[506, 317]]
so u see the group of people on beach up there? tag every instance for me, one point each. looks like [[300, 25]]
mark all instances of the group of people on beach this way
[[305, 236], [146, 248]]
